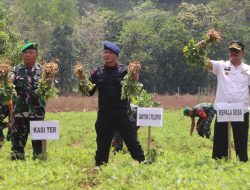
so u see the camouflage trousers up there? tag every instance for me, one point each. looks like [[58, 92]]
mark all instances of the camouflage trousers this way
[[204, 129], [20, 131]]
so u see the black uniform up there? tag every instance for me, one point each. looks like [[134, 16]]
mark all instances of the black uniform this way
[[113, 113], [117, 140]]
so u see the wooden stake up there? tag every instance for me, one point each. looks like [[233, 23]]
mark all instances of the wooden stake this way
[[44, 150], [198, 95], [149, 138], [229, 140]]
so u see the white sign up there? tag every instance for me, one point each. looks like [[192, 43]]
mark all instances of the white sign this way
[[44, 130], [150, 117], [229, 112]]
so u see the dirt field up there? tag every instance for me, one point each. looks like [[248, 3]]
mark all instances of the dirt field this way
[[78, 103]]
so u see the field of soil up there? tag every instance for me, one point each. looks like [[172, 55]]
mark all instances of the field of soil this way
[[78, 103]]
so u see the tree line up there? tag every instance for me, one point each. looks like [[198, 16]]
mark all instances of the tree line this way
[[152, 32]]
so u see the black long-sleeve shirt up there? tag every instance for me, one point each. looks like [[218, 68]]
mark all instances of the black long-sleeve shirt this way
[[108, 83]]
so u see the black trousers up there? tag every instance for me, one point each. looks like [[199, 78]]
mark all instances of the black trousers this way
[[20, 131], [240, 135], [107, 122]]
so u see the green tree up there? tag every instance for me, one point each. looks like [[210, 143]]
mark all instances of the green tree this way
[[92, 29], [156, 38], [9, 38], [62, 49], [197, 18], [36, 20], [233, 23]]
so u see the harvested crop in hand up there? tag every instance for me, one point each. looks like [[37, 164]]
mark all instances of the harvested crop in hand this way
[[131, 88], [85, 85], [46, 87], [50, 71], [196, 53], [212, 36], [5, 68], [6, 85]]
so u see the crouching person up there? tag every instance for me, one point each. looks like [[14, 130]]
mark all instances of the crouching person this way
[[205, 112]]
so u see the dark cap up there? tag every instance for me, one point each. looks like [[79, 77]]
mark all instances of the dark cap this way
[[186, 111], [236, 45], [112, 47]]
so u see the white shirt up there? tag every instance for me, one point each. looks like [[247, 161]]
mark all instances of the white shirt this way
[[232, 83]]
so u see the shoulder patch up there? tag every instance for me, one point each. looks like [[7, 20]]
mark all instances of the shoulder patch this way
[[17, 67], [101, 67], [94, 71], [122, 65], [123, 68]]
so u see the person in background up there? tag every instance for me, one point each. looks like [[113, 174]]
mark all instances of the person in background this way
[[205, 112]]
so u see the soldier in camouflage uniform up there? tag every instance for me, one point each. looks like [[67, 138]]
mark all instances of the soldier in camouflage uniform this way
[[5, 111], [205, 112], [27, 106], [117, 140]]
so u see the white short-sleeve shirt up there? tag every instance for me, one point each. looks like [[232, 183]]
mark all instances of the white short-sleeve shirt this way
[[232, 83]]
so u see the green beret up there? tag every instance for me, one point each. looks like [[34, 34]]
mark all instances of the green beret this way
[[29, 45]]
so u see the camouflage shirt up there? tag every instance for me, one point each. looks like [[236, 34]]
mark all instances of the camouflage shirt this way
[[26, 102], [202, 110]]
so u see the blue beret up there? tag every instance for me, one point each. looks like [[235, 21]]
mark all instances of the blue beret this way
[[111, 46]]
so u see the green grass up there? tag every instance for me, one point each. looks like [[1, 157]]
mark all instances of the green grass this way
[[183, 162]]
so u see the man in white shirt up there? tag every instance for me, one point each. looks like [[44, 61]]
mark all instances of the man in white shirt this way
[[233, 80]]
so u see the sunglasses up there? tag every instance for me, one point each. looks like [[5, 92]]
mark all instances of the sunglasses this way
[[234, 52]]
